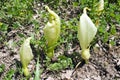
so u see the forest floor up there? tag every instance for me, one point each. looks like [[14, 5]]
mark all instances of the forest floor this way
[[104, 63]]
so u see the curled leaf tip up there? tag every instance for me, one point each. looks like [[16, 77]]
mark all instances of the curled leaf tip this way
[[46, 7], [85, 10]]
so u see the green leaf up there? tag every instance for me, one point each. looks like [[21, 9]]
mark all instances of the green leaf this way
[[63, 63], [113, 30], [2, 67], [37, 72], [55, 67], [3, 27], [9, 74]]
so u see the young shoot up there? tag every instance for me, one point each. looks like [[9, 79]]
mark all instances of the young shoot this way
[[52, 31], [26, 55]]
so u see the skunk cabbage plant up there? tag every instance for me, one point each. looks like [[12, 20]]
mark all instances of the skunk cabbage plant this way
[[52, 31], [26, 55], [86, 32], [100, 5]]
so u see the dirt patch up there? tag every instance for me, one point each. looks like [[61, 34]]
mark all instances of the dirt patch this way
[[102, 66]]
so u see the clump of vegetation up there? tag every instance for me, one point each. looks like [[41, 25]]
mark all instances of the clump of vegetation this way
[[15, 12], [62, 63]]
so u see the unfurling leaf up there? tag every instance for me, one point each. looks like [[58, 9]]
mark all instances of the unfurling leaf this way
[[52, 31], [86, 32]]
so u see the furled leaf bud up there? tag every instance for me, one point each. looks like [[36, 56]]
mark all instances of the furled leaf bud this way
[[26, 55]]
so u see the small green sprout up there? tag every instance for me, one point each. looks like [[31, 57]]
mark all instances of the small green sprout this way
[[37, 72]]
